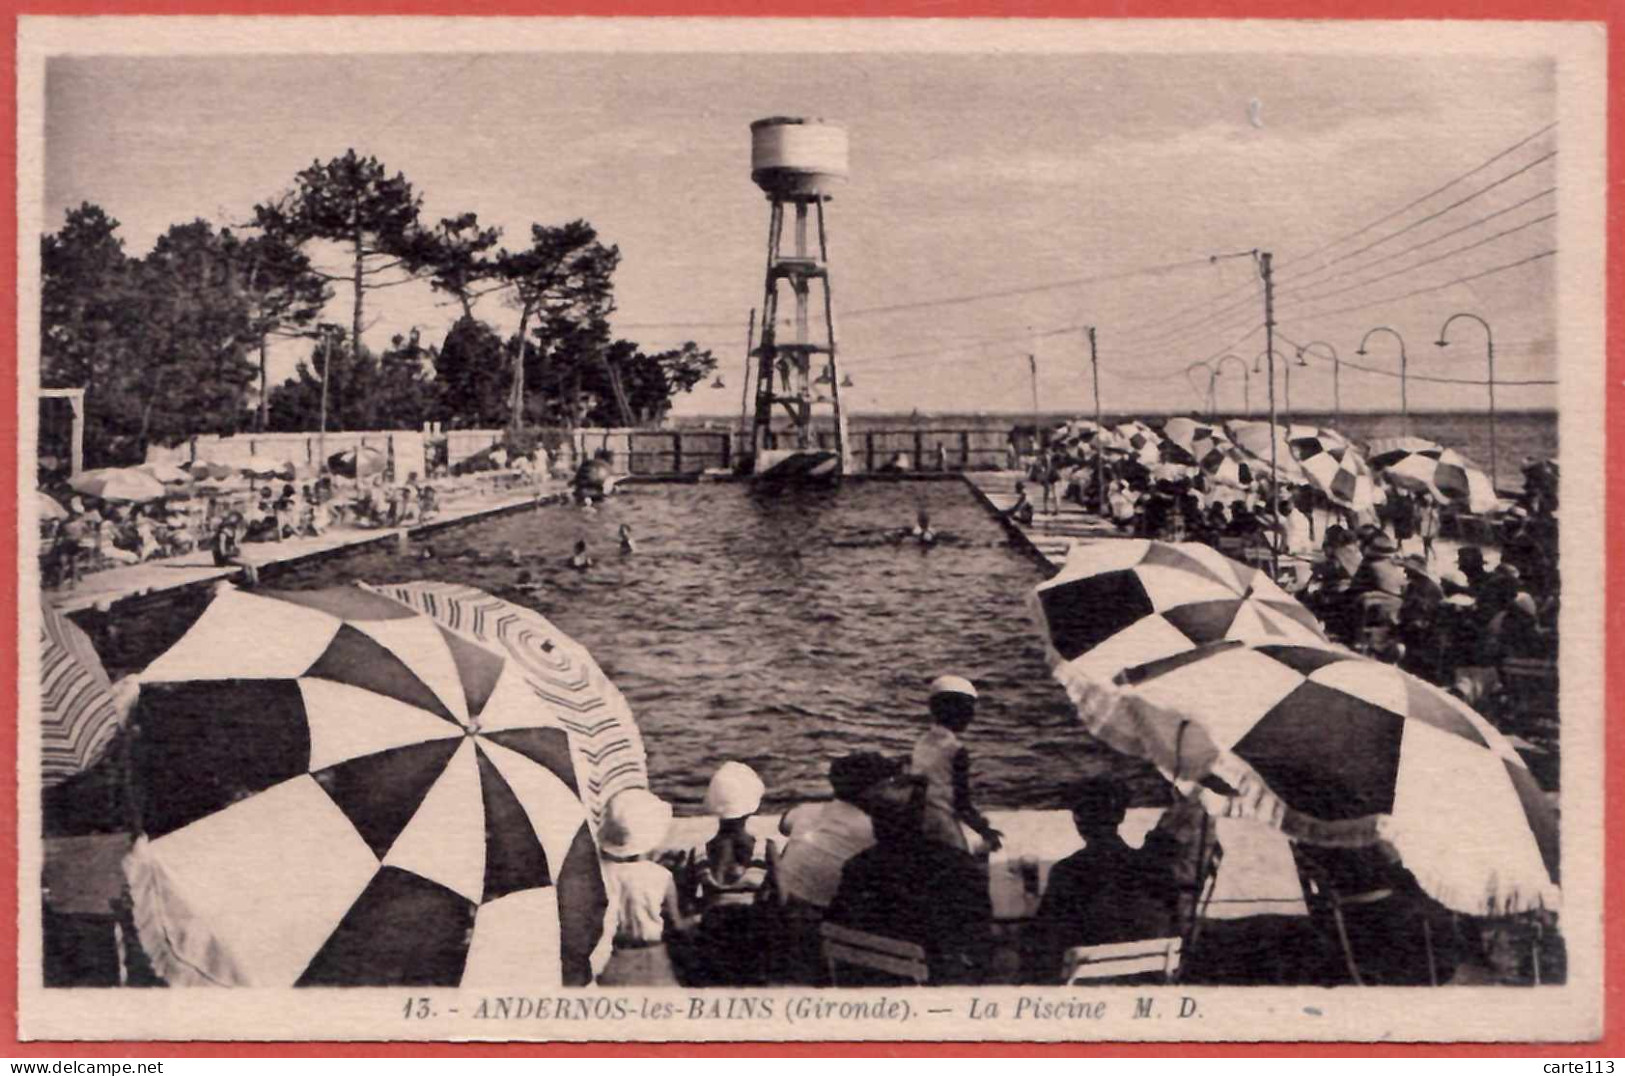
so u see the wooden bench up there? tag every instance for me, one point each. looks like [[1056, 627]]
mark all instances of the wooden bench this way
[[1150, 960]]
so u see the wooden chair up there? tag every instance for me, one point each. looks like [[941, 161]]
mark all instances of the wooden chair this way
[[845, 947], [1149, 960]]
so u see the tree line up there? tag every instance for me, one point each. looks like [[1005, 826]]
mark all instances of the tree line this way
[[174, 343]]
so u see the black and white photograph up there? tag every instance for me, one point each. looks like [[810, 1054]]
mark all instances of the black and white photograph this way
[[716, 529]]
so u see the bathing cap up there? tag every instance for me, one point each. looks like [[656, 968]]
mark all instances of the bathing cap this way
[[953, 685]]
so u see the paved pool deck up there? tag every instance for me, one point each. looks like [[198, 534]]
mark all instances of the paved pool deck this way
[[105, 589]]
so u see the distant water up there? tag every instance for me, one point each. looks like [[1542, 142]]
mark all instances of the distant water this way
[[785, 631], [1519, 434]]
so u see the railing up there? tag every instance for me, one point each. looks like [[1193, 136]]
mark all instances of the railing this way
[[690, 452]]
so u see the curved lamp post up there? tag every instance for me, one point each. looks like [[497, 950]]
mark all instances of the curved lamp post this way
[[1258, 366], [1337, 369], [1211, 374], [1489, 340], [1404, 403], [1246, 379]]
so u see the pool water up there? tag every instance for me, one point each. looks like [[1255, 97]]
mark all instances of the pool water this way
[[784, 630]]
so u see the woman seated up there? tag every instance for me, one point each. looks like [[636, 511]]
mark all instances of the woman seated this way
[[733, 941]]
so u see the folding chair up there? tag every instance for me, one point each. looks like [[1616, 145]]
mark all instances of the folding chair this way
[[1150, 960], [845, 947]]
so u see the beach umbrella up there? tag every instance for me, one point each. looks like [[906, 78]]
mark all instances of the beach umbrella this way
[[118, 484], [360, 462], [1193, 439], [1431, 468], [1119, 603], [79, 714], [209, 471], [1254, 439], [49, 507], [1336, 469], [1338, 750], [168, 473], [1136, 440], [263, 467], [337, 789], [1228, 465]]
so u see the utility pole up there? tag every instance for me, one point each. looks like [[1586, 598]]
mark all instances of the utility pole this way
[[1100, 480], [327, 362], [1032, 366], [1269, 350]]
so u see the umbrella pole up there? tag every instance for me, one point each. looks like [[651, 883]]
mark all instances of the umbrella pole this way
[[1343, 938]]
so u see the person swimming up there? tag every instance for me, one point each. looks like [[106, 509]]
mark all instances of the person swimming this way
[[526, 583], [580, 560], [628, 547], [921, 531]]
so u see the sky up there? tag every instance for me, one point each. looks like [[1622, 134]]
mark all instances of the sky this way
[[1001, 200]]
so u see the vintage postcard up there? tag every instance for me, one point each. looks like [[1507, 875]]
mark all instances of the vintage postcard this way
[[637, 530]]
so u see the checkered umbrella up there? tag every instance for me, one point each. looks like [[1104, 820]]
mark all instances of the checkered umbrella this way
[[337, 789], [1336, 469], [1339, 750], [1193, 440], [1135, 439], [1414, 464], [78, 714], [1118, 603], [1253, 438]]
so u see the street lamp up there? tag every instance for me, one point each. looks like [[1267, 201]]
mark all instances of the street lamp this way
[[1212, 373], [1258, 367], [1337, 369], [1246, 379], [1404, 404], [1489, 340]]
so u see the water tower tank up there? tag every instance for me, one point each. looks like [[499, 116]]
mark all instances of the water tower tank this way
[[791, 157]]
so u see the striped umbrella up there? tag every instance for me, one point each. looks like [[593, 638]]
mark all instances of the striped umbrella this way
[[1336, 469], [1414, 464], [1118, 603], [78, 713], [1338, 750], [560, 672], [375, 798]]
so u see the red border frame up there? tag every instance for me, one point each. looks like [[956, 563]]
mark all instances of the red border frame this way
[[1610, 11]]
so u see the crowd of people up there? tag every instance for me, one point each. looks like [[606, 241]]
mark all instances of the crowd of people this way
[[888, 855], [1483, 628]]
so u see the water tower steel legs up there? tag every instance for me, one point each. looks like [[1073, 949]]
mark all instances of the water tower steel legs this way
[[785, 370]]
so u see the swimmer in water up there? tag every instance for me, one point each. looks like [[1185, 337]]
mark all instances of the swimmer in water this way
[[921, 531], [526, 583], [628, 547], [580, 561]]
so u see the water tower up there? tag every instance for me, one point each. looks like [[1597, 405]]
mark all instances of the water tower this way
[[798, 163]]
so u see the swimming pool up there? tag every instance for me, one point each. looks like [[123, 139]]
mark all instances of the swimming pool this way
[[783, 630]]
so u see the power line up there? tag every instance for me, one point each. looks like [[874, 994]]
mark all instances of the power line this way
[[1431, 216], [1429, 242], [955, 300], [1430, 261], [1134, 330], [1437, 190], [1432, 287]]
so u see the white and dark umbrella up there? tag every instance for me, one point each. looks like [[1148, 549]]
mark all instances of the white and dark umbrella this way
[[1424, 466], [337, 789], [1334, 468], [118, 484]]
